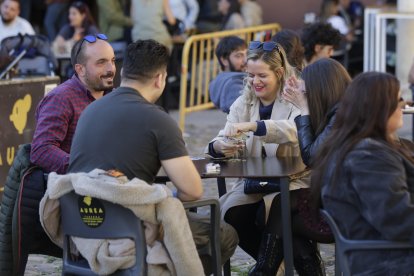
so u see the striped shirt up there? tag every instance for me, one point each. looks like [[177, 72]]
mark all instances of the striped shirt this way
[[57, 116]]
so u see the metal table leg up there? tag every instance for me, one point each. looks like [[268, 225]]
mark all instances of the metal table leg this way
[[287, 226]]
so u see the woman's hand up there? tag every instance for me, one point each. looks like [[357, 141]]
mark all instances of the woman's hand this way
[[228, 149], [294, 92], [236, 129]]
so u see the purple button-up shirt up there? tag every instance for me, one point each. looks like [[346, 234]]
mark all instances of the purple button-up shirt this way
[[57, 116]]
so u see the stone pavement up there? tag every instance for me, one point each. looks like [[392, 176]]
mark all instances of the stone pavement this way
[[200, 128]]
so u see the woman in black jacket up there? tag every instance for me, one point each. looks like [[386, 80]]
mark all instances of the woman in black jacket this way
[[365, 179], [317, 96]]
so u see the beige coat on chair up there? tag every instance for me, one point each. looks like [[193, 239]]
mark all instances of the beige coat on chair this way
[[151, 203]]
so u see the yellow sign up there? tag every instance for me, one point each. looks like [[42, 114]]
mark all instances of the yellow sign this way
[[91, 211], [19, 113]]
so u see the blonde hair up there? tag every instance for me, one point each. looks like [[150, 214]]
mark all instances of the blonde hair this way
[[275, 59]]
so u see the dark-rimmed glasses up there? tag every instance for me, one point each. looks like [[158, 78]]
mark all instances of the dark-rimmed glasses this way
[[267, 46], [90, 39]]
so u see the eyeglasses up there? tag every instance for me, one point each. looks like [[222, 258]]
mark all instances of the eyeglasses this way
[[267, 46], [90, 39]]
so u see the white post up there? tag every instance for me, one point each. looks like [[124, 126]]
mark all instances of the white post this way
[[405, 43]]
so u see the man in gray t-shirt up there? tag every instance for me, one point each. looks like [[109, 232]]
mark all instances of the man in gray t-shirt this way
[[126, 131]]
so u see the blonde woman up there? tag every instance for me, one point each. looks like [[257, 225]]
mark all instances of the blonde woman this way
[[269, 122]]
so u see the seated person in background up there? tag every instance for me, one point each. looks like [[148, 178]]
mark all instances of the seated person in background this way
[[232, 19], [251, 12], [186, 11], [226, 87], [269, 122], [364, 179], [112, 19], [11, 23], [81, 23], [291, 43], [141, 151], [319, 40], [329, 14]]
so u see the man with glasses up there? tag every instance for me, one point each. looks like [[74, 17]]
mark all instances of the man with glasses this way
[[137, 137], [57, 115], [225, 88]]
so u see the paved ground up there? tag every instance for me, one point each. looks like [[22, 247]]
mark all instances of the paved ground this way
[[200, 128]]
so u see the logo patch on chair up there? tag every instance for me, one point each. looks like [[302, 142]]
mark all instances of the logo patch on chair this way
[[91, 211]]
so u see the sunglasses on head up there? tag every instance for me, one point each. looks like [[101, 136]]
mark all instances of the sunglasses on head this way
[[90, 39], [267, 46]]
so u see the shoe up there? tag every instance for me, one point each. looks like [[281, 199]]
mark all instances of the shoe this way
[[270, 256], [310, 265]]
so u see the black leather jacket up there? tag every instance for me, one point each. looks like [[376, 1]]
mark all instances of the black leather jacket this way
[[308, 143], [373, 198]]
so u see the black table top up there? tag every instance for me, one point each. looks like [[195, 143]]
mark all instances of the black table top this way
[[253, 167]]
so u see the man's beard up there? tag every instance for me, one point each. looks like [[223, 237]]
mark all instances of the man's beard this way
[[97, 84], [6, 21], [232, 67]]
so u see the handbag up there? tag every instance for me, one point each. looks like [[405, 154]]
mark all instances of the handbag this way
[[261, 186]]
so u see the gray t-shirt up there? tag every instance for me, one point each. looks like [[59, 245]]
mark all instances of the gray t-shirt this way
[[124, 131]]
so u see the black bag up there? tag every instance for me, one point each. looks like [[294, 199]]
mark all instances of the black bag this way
[[261, 186]]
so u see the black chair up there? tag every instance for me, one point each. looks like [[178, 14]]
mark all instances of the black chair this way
[[109, 221], [343, 246]]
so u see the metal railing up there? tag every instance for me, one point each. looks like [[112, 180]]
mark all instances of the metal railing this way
[[199, 66]]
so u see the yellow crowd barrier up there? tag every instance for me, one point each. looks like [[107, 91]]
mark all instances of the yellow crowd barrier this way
[[195, 77]]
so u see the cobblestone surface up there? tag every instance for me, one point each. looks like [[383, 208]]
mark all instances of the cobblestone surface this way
[[200, 128]]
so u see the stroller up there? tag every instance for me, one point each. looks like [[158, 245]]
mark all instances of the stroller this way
[[26, 55]]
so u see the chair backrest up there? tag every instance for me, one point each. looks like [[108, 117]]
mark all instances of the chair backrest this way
[[32, 53], [108, 221], [343, 246]]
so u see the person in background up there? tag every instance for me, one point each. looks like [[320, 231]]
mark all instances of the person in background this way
[[112, 19], [209, 18], [56, 16], [147, 16], [81, 23], [226, 87], [365, 179], [251, 12], [186, 11], [319, 40], [11, 23], [232, 19], [141, 151], [329, 13], [291, 43]]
